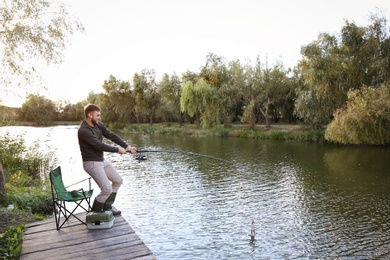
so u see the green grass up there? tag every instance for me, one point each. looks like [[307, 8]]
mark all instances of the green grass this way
[[277, 132]]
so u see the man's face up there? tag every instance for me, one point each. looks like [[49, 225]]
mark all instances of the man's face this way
[[95, 117]]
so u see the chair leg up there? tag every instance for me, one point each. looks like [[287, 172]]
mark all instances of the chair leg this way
[[60, 209], [71, 213], [57, 217]]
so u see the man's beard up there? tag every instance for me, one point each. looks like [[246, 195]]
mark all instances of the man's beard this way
[[94, 122]]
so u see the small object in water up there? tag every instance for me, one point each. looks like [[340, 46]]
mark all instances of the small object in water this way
[[253, 232]]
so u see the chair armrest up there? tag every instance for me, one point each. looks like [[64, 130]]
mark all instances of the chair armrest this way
[[89, 178]]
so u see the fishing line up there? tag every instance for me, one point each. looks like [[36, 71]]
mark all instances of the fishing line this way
[[141, 157]]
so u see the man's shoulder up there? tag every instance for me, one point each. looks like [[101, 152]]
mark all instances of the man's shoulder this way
[[84, 127], [101, 126]]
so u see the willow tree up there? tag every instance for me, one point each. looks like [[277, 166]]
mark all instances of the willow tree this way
[[170, 90], [32, 32], [365, 119], [334, 64], [319, 95], [202, 101], [214, 71]]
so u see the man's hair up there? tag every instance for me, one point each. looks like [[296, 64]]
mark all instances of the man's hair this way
[[90, 108]]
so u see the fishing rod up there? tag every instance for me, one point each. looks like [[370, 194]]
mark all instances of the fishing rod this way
[[141, 157]]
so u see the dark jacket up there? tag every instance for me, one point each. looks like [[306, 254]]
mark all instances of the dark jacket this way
[[91, 141]]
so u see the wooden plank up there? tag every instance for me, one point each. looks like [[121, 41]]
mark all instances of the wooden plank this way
[[75, 241]]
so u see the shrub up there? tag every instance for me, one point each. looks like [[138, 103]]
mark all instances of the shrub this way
[[11, 242], [31, 165], [34, 199], [219, 131], [365, 119]]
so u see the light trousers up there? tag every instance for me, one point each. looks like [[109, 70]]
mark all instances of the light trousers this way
[[105, 176]]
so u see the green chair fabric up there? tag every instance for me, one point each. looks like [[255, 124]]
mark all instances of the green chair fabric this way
[[62, 197]]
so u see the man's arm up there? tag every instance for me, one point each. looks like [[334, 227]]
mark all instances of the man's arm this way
[[87, 138], [112, 136], [116, 139]]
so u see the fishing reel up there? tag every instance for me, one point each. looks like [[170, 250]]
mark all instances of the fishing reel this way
[[141, 157]]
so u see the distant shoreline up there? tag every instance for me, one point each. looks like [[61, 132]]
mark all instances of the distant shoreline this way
[[286, 132]]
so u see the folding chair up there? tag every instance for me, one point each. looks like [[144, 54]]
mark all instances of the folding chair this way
[[61, 196]]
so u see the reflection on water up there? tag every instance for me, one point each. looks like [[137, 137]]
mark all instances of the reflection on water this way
[[306, 200]]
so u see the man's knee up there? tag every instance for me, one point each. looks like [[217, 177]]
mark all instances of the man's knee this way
[[119, 181], [106, 190]]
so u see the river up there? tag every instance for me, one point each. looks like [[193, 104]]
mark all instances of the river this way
[[306, 200]]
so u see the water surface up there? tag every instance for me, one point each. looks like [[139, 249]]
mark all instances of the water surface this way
[[307, 200]]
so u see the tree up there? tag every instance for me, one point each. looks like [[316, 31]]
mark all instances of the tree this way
[[265, 87], [333, 65], [250, 93], [201, 100], [189, 102], [145, 95], [170, 91], [3, 201], [320, 95], [214, 72], [365, 120], [117, 101], [38, 109], [233, 89], [32, 31], [7, 114], [73, 112]]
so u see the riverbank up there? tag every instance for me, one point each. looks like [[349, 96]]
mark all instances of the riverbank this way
[[277, 132], [288, 132]]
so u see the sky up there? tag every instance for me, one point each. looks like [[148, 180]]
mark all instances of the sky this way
[[123, 37]]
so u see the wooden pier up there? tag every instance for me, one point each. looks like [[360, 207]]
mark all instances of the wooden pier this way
[[75, 241]]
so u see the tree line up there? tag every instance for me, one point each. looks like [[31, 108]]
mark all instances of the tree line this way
[[341, 83]]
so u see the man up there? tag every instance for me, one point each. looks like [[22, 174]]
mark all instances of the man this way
[[90, 135]]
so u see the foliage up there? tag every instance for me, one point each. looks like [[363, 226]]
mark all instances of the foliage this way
[[3, 201], [332, 65], [267, 88], [11, 242], [233, 90], [224, 93], [38, 109], [27, 166], [214, 72], [145, 96], [31, 31], [70, 112], [170, 91], [201, 100], [35, 199], [365, 120], [11, 151], [219, 131], [119, 91], [307, 135], [7, 115]]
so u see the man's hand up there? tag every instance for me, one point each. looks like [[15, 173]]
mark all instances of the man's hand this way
[[121, 150], [131, 149]]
